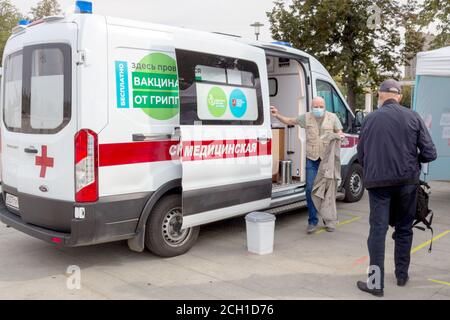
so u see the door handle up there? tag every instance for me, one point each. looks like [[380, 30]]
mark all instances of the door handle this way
[[153, 137], [31, 150]]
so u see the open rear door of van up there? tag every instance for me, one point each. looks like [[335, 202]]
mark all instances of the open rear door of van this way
[[39, 125], [225, 134]]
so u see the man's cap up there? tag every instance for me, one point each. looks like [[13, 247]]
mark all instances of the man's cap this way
[[391, 85]]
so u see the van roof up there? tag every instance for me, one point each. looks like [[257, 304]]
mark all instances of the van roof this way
[[315, 65]]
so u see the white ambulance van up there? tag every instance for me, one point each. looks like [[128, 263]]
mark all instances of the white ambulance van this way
[[122, 130]]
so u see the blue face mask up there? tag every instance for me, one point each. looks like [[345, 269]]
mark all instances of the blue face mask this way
[[318, 112]]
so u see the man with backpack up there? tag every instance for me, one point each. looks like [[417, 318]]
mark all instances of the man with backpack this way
[[394, 141]]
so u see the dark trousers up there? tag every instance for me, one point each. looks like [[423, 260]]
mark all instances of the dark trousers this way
[[398, 206]]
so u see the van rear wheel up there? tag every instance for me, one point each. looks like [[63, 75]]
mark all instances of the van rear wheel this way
[[164, 236]]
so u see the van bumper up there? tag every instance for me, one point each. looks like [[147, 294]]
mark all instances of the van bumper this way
[[104, 222], [14, 221]]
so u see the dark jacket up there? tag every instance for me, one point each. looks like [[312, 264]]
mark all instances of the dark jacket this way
[[393, 142]]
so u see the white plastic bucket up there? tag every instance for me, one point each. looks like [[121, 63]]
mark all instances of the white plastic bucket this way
[[260, 232]]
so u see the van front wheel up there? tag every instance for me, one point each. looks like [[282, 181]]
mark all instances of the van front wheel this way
[[354, 187], [164, 236]]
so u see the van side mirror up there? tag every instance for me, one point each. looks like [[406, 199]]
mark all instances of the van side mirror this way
[[359, 118]]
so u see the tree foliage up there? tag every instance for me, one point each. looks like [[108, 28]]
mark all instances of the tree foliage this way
[[9, 17], [353, 39], [414, 36], [45, 8], [437, 13], [418, 19]]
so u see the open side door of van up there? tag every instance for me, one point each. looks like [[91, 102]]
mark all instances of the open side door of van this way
[[225, 136]]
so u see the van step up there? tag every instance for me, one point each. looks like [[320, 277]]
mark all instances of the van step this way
[[288, 207], [278, 187], [298, 205]]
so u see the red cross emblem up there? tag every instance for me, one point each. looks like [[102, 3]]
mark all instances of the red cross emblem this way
[[44, 162]]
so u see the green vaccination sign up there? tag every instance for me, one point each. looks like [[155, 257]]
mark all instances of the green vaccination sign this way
[[217, 102], [155, 86]]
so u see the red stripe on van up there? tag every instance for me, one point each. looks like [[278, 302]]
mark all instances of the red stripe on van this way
[[115, 154], [223, 149], [349, 142]]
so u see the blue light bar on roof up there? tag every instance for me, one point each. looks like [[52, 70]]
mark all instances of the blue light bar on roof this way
[[283, 43], [24, 22], [83, 7]]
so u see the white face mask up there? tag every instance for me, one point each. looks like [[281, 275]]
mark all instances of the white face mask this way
[[318, 112]]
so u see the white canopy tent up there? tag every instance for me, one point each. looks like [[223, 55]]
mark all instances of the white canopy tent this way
[[432, 102], [434, 63]]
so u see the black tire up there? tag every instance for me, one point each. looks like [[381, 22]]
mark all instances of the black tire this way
[[162, 234], [353, 185]]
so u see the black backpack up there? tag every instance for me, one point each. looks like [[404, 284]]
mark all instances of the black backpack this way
[[423, 214]]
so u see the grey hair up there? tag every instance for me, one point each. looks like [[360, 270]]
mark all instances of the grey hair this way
[[316, 98]]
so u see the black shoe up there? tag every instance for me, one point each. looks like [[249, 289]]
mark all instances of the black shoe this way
[[363, 287], [402, 282]]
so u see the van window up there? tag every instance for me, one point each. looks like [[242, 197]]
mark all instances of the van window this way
[[273, 87], [13, 92], [218, 90], [340, 109], [47, 88], [333, 102], [205, 73], [225, 76], [38, 89], [325, 91]]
